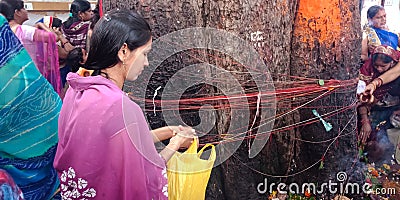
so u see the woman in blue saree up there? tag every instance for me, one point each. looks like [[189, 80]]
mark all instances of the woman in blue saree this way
[[29, 110], [377, 33]]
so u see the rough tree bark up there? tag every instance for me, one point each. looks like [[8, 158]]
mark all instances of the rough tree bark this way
[[307, 38], [326, 45]]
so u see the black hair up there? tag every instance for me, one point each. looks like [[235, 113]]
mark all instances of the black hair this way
[[380, 56], [95, 18], [373, 10], [74, 59], [15, 4], [6, 10], [56, 22], [110, 33], [76, 7], [10, 6]]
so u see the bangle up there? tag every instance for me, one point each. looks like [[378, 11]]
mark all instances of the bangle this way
[[377, 82], [380, 81]]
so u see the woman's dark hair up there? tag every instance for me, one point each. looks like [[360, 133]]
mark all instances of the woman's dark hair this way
[[95, 18], [380, 56], [74, 59], [373, 10], [56, 22], [15, 4], [76, 7], [6, 10], [110, 33]]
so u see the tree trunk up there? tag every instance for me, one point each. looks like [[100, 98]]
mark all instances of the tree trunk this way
[[306, 38], [326, 45]]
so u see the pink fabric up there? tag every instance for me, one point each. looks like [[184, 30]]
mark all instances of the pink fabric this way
[[41, 46], [104, 141]]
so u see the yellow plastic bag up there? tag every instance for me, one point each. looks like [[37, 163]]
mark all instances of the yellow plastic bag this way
[[188, 174]]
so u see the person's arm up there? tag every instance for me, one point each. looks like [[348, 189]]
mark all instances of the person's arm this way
[[366, 129], [364, 48], [161, 134], [44, 36], [65, 48], [181, 139], [167, 132], [383, 79], [40, 25]]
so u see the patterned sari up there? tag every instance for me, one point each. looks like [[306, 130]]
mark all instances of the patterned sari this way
[[377, 37], [42, 47], [76, 34], [29, 110], [8, 189]]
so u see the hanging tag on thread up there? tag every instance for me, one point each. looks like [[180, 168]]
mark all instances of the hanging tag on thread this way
[[327, 125]]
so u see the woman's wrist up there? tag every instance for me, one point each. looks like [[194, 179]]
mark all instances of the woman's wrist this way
[[173, 146], [377, 83], [364, 121], [59, 38], [172, 131]]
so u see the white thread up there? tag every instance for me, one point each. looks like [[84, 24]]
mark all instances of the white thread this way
[[154, 96]]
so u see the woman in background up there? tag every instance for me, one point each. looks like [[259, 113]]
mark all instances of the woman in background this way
[[377, 33], [374, 116], [40, 44], [76, 28]]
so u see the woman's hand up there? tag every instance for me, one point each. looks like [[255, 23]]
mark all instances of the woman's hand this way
[[182, 137], [58, 32], [366, 96], [365, 131]]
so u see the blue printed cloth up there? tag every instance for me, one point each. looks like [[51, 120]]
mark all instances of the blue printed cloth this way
[[29, 110]]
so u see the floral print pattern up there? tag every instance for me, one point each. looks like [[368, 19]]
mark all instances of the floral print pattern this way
[[73, 187], [165, 187]]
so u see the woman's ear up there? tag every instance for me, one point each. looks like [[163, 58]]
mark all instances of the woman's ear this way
[[80, 15], [122, 53], [17, 13]]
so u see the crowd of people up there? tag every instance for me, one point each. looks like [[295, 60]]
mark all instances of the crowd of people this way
[[88, 140], [379, 108], [69, 131]]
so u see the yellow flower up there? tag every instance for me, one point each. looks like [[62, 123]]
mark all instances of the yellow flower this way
[[386, 166]]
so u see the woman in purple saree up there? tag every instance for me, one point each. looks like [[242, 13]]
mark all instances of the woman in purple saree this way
[[40, 44], [105, 149]]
